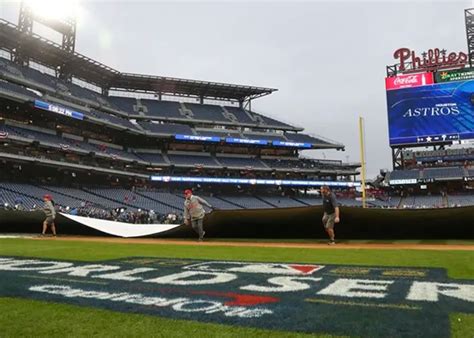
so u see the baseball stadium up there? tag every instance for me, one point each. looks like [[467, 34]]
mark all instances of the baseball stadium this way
[[143, 205]]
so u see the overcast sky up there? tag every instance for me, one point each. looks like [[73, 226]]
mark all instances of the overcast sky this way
[[327, 59]]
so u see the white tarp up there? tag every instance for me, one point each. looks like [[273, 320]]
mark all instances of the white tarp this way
[[120, 228]]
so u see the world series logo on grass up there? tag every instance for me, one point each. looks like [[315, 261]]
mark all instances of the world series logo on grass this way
[[342, 300]]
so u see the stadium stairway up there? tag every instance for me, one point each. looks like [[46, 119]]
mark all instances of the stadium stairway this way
[[166, 158], [84, 195], [301, 201], [217, 161], [123, 203], [9, 196], [445, 200], [265, 201], [219, 202], [230, 202]]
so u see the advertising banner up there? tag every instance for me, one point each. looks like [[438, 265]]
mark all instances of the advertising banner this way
[[182, 137], [408, 81], [291, 144], [253, 181], [245, 141], [455, 75]]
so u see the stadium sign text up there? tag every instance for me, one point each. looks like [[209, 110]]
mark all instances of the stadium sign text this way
[[431, 60], [288, 296], [440, 109]]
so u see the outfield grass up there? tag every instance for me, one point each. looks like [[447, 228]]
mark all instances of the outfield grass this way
[[35, 318], [62, 320], [458, 263]]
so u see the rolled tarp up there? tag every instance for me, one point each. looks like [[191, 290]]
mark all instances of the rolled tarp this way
[[121, 229]]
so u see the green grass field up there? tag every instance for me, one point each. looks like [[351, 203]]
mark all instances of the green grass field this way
[[35, 318]]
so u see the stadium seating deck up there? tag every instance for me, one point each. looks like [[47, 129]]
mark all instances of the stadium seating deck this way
[[192, 160], [167, 202], [207, 112], [166, 128], [134, 200], [247, 202], [12, 87], [266, 136], [113, 119], [162, 109], [154, 158], [303, 138], [241, 162], [428, 201], [440, 173], [405, 174], [219, 133], [241, 115], [282, 201], [460, 200]]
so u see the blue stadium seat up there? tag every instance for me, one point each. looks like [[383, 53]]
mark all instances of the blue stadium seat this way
[[166, 128], [163, 109], [207, 112], [241, 162], [192, 160]]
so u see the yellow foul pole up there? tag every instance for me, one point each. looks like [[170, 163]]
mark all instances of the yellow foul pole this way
[[362, 158]]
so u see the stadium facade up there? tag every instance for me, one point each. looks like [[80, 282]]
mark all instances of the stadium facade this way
[[67, 120]]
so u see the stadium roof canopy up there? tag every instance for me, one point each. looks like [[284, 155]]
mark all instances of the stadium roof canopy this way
[[51, 54]]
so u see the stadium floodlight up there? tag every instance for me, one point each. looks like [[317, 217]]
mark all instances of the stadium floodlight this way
[[54, 9]]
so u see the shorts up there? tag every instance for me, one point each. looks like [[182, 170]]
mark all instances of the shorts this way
[[328, 220], [49, 220]]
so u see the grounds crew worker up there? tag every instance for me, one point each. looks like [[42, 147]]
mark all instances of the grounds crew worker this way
[[331, 212], [50, 214], [194, 212]]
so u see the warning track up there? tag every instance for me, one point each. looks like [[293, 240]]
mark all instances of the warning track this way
[[250, 243]]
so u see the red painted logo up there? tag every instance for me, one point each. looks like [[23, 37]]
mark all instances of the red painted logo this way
[[431, 60]]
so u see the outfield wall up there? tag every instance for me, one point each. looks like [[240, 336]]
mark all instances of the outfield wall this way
[[356, 223]]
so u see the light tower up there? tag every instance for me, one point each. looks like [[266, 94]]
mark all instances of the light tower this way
[[66, 26]]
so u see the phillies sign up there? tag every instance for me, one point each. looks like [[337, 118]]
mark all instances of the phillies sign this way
[[431, 60], [366, 301], [407, 81]]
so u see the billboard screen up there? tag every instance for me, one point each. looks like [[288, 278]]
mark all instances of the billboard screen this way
[[438, 113]]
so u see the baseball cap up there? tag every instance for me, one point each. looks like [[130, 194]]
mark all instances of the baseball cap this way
[[188, 191], [47, 196]]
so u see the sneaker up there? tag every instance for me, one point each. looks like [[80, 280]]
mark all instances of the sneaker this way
[[331, 242]]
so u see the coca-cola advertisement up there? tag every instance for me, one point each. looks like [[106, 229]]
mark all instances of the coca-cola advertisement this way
[[408, 81]]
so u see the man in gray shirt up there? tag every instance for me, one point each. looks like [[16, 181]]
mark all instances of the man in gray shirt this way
[[331, 212], [50, 214], [194, 212]]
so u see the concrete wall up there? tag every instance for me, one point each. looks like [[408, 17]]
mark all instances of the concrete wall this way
[[356, 223]]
